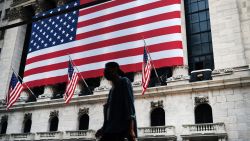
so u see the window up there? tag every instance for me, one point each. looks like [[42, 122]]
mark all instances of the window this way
[[199, 41], [203, 114], [3, 124], [27, 126], [2, 34], [54, 123], [6, 13], [158, 117], [84, 122]]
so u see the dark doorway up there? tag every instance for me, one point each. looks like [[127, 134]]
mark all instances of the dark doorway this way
[[203, 114], [54, 124], [27, 126], [84, 122], [158, 117], [4, 127]]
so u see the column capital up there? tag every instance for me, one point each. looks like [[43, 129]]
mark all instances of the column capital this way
[[16, 13]]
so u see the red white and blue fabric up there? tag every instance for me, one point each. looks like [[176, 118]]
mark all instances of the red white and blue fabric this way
[[146, 70], [111, 31], [72, 81], [14, 92]]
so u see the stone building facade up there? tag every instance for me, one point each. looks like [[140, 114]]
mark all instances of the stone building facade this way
[[199, 103]]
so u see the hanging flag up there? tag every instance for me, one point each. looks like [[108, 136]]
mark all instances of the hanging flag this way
[[146, 70], [14, 92], [72, 81], [110, 31]]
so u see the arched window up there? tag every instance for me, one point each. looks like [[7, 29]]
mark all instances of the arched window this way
[[27, 126], [84, 122], [54, 123], [158, 117], [203, 114], [4, 127]]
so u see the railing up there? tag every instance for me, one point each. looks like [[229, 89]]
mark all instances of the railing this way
[[49, 135], [4, 137], [86, 134], [207, 128], [156, 131], [22, 136]]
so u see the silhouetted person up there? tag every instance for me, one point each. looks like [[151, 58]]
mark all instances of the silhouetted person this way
[[119, 111]]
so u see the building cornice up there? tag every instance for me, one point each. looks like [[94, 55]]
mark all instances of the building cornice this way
[[237, 79]]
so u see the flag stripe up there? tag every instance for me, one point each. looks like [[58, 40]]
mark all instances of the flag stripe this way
[[115, 41], [100, 7], [14, 93], [126, 25], [83, 52], [115, 9], [133, 67], [124, 15], [14, 96], [98, 65], [105, 56]]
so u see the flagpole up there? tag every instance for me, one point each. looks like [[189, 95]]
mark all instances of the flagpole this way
[[145, 45], [80, 74], [24, 83]]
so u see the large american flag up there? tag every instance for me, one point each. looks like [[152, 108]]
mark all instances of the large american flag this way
[[14, 92], [111, 31], [72, 81]]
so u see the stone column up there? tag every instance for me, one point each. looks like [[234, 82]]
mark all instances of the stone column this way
[[226, 32], [48, 90], [137, 79], [181, 72], [78, 89], [12, 50], [104, 85], [48, 93], [24, 96], [244, 12]]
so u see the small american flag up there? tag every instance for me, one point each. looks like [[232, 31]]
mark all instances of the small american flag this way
[[110, 31], [15, 90], [146, 70], [72, 81]]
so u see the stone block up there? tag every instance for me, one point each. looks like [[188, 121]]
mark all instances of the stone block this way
[[235, 97], [221, 99]]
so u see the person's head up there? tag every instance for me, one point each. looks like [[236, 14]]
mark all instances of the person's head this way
[[112, 71]]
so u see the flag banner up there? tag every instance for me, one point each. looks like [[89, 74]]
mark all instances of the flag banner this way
[[72, 81], [14, 92], [111, 31], [146, 70]]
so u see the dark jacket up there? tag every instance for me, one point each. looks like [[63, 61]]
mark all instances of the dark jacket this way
[[120, 110]]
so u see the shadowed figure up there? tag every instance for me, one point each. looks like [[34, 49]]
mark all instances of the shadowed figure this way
[[119, 111]]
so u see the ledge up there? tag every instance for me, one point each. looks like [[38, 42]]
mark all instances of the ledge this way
[[237, 79]]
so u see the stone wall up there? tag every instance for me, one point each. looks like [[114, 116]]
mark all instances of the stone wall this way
[[244, 10], [230, 28], [229, 105], [226, 35]]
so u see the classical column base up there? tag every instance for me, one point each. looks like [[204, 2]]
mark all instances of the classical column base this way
[[47, 95], [180, 76], [104, 85], [137, 79]]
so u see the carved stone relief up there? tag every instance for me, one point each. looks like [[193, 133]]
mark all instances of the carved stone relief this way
[[158, 104], [201, 100], [83, 111]]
